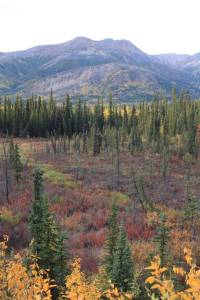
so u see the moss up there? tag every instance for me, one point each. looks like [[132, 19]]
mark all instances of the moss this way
[[51, 174], [10, 219], [56, 176], [56, 199], [119, 198], [71, 184]]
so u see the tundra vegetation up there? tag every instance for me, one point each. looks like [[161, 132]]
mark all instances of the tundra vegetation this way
[[99, 201]]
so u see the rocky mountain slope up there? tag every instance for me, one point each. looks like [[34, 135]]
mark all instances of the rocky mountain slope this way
[[83, 67]]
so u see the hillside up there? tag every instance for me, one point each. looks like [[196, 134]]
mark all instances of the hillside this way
[[188, 63], [93, 68]]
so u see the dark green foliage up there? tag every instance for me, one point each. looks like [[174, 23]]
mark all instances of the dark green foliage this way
[[12, 153], [188, 165], [162, 238], [191, 212], [15, 160], [191, 209], [37, 184], [111, 119], [96, 141], [17, 164], [118, 260], [48, 240], [122, 269], [164, 162], [98, 121], [156, 126], [113, 229], [135, 144]]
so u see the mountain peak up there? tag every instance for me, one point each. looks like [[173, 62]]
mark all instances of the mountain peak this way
[[101, 66], [116, 41], [81, 38], [79, 41]]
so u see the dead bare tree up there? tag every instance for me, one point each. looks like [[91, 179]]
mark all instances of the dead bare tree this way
[[53, 140]]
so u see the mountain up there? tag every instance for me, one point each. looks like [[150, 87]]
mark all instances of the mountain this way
[[182, 62], [192, 64], [95, 68], [171, 58]]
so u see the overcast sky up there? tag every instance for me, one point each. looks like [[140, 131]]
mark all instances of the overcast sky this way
[[155, 26]]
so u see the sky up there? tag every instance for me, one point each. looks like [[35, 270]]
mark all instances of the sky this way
[[155, 26]]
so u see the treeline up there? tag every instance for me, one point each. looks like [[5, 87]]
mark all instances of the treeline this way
[[147, 125]]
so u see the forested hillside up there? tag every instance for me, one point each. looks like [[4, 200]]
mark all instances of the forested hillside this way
[[99, 201]]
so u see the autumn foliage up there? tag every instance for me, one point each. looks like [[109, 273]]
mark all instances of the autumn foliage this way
[[18, 283], [162, 283]]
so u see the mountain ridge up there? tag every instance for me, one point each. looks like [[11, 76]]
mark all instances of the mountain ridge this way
[[88, 68]]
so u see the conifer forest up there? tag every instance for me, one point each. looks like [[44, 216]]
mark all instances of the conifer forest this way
[[100, 200]]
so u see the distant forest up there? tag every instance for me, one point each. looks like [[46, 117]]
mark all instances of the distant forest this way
[[147, 123]]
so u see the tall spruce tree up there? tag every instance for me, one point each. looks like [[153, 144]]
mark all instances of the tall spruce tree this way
[[113, 229], [15, 160], [48, 240], [118, 260], [122, 269], [164, 165], [37, 183], [191, 211], [18, 167], [162, 238]]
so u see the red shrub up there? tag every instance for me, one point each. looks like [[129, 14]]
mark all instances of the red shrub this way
[[90, 239], [89, 259], [138, 231], [97, 219]]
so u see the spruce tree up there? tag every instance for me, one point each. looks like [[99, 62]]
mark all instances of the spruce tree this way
[[96, 141], [135, 141], [15, 160], [11, 153], [48, 240], [191, 141], [17, 163], [113, 229], [188, 165], [164, 162], [162, 238], [37, 183], [122, 269], [191, 211]]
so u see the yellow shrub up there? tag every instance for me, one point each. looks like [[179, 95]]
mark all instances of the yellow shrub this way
[[77, 287], [17, 283], [164, 285]]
